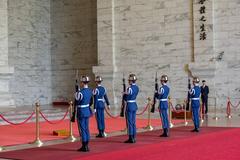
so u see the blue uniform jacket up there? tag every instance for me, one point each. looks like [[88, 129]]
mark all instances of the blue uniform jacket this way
[[100, 97], [130, 98], [194, 95], [162, 95], [83, 101]]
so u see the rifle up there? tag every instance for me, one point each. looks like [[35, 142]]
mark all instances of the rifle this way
[[188, 96], [155, 94], [75, 102], [123, 97]]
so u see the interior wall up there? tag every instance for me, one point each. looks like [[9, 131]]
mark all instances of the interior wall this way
[[29, 51], [48, 41], [73, 43], [226, 45]]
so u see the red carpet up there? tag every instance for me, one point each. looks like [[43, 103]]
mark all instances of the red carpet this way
[[12, 135], [211, 143]]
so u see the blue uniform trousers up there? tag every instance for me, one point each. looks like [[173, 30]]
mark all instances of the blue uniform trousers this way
[[83, 127], [195, 114], [131, 122], [100, 118], [164, 118]]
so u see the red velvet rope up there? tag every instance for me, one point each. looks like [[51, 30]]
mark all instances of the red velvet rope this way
[[25, 121], [110, 115], [59, 121], [234, 106], [144, 110]]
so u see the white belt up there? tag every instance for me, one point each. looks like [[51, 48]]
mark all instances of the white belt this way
[[131, 101], [163, 100], [100, 100], [83, 106], [194, 98]]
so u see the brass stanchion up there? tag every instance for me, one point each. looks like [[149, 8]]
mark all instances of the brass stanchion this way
[[149, 127], [170, 118], [71, 137], [37, 141], [215, 110], [201, 114], [1, 148], [170, 113], [126, 128], [185, 115]]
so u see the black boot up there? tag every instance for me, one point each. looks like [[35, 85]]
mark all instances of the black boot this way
[[86, 146], [103, 134], [83, 148], [164, 133], [99, 134], [167, 132], [134, 139], [129, 139], [195, 130]]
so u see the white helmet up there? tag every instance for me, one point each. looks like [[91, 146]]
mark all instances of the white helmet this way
[[164, 78], [196, 79], [85, 79], [132, 77], [98, 79]]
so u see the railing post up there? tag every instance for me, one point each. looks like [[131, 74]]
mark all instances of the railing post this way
[[185, 114], [70, 109], [170, 112], [201, 113], [215, 110], [149, 127], [37, 141]]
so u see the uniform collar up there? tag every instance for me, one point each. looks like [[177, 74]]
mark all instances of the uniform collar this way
[[99, 85], [85, 86], [196, 84], [164, 84], [133, 84]]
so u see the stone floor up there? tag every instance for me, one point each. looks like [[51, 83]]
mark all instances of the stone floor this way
[[222, 120]]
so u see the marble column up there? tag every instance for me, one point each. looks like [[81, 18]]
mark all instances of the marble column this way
[[106, 49], [5, 70], [204, 65]]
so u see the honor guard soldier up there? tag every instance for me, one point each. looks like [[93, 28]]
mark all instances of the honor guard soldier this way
[[84, 100], [162, 95], [195, 103], [131, 108], [100, 98]]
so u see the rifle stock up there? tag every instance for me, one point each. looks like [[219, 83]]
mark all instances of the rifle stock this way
[[188, 96], [75, 102], [155, 94], [123, 98]]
